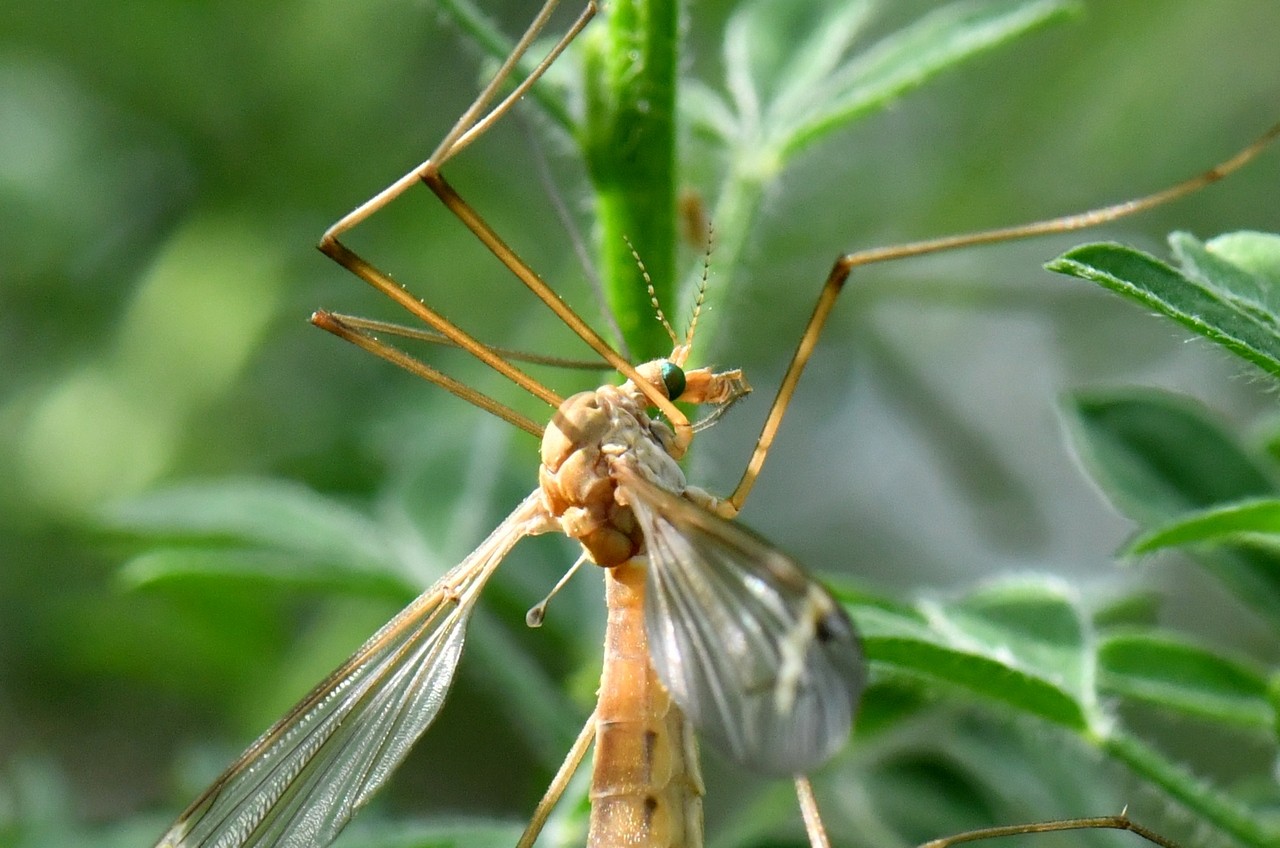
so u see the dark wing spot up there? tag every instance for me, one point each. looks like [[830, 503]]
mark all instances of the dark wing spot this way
[[831, 627]]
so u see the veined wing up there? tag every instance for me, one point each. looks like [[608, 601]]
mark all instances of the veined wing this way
[[759, 656], [300, 783]]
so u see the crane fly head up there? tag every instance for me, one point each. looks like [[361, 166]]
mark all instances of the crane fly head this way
[[701, 386]]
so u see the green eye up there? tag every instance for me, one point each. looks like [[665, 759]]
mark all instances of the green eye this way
[[673, 380]]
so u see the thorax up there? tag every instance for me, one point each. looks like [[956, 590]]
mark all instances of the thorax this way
[[588, 436]]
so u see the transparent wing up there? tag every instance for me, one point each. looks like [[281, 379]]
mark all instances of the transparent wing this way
[[760, 657], [300, 783]]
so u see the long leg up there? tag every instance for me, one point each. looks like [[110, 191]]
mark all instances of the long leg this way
[[1120, 822], [360, 337], [558, 783], [473, 121], [436, 182], [477, 120], [813, 826], [470, 126], [831, 289], [818, 835], [845, 265]]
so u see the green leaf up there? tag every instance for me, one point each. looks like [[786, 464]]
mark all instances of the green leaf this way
[[763, 121], [1158, 455], [1033, 622], [789, 88], [706, 113], [1018, 642], [1256, 253], [1025, 643], [982, 675], [911, 57], [1171, 673], [815, 59], [1135, 609], [1226, 290], [264, 515], [1273, 694], [1213, 524], [162, 565], [775, 54], [1241, 266]]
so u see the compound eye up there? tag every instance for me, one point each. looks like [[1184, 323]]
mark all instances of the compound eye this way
[[673, 380]]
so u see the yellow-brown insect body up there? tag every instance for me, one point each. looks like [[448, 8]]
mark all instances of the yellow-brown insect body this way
[[646, 787], [588, 434]]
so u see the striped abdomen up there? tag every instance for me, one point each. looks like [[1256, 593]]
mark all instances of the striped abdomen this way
[[646, 788]]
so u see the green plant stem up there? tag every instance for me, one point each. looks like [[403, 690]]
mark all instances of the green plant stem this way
[[1186, 789], [629, 143]]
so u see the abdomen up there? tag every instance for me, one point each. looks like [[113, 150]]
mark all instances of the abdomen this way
[[646, 788]]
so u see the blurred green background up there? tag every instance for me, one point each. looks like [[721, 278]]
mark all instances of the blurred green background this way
[[166, 168]]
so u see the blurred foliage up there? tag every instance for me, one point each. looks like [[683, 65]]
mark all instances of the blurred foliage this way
[[165, 169]]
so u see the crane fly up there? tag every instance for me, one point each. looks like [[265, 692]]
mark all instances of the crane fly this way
[[710, 628]]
